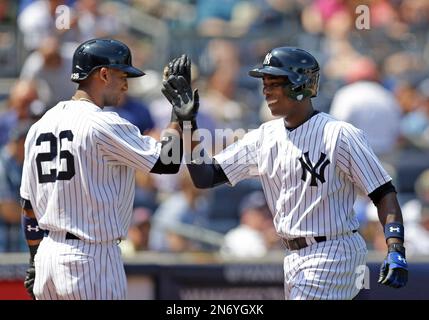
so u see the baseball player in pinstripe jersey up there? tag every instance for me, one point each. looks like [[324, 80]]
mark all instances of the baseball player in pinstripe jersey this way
[[311, 167], [78, 180]]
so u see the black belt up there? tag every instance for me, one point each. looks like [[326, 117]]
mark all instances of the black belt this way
[[69, 236], [300, 243]]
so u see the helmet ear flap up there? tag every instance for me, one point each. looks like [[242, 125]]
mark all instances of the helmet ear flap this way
[[294, 92], [308, 89]]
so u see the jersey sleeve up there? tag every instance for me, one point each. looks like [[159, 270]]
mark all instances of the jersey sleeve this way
[[122, 143], [239, 160], [357, 160], [24, 190]]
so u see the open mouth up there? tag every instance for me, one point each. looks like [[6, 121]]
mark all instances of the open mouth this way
[[271, 101]]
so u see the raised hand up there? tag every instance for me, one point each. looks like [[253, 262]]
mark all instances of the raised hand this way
[[185, 102], [180, 66]]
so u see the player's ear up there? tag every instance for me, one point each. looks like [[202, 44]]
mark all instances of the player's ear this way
[[103, 74]]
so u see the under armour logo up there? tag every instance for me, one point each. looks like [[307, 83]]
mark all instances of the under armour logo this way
[[30, 228], [267, 58], [402, 259], [308, 166], [391, 229], [75, 76]]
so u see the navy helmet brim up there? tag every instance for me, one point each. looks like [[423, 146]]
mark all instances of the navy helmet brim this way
[[269, 70], [293, 77], [131, 72]]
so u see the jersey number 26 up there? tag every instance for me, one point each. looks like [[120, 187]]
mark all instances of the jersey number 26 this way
[[50, 156]]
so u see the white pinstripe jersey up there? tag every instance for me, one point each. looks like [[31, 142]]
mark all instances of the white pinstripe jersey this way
[[310, 175], [79, 170]]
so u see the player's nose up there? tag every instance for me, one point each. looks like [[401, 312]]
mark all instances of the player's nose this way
[[266, 92], [266, 89]]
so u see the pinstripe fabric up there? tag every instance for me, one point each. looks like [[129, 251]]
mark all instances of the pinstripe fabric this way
[[300, 209], [325, 271], [95, 204], [78, 270], [311, 176]]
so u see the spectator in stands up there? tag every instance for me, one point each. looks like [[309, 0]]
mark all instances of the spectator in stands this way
[[50, 67], [23, 104], [214, 17], [135, 111], [406, 91], [255, 234], [319, 13], [229, 104], [417, 213], [147, 194], [138, 234], [369, 106], [11, 161], [93, 21], [416, 221], [415, 124], [38, 20], [7, 12], [188, 207]]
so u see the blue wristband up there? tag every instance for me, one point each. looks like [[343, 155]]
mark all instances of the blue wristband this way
[[31, 228], [394, 230]]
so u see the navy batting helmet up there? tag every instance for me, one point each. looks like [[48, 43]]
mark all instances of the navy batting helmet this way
[[299, 66], [97, 53]]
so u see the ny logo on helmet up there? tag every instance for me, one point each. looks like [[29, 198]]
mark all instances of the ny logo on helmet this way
[[267, 58], [308, 166]]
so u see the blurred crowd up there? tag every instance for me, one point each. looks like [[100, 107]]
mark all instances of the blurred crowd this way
[[376, 79]]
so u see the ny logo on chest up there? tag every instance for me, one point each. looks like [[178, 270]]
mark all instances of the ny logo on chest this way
[[320, 166]]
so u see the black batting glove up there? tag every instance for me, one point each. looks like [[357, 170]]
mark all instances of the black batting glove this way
[[180, 66], [31, 272], [185, 102], [29, 279], [394, 269]]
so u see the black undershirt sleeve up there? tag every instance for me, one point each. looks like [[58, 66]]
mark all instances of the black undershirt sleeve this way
[[170, 157], [207, 175], [381, 191], [26, 204]]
